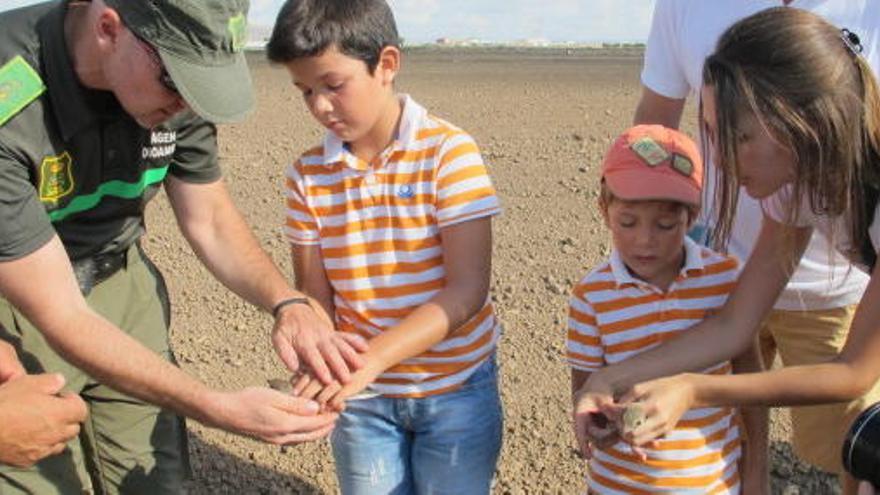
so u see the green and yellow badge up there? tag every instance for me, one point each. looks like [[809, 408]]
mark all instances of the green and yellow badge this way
[[238, 30], [56, 177], [19, 85]]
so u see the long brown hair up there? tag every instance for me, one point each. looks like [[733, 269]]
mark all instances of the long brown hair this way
[[802, 80]]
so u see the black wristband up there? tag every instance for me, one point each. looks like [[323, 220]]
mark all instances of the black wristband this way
[[287, 302]]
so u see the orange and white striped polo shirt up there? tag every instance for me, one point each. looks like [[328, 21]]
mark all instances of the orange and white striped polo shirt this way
[[613, 316], [379, 225]]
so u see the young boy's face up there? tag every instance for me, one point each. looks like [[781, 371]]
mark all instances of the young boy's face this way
[[649, 235], [341, 93]]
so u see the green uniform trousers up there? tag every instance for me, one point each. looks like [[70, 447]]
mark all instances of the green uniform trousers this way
[[126, 446]]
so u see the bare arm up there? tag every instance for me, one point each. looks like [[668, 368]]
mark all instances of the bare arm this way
[[654, 108], [726, 333], [93, 344], [311, 278], [467, 251], [223, 242], [846, 377]]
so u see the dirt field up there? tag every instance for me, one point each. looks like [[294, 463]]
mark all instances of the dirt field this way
[[543, 120]]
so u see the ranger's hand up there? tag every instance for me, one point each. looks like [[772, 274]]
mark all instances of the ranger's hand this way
[[270, 416], [304, 336], [35, 421]]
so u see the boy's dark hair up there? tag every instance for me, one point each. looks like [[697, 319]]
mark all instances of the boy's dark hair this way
[[358, 28]]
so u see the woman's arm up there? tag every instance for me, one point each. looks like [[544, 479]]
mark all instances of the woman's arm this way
[[845, 378], [727, 333], [715, 339]]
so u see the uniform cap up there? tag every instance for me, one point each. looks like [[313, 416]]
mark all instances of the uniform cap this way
[[652, 162], [201, 44]]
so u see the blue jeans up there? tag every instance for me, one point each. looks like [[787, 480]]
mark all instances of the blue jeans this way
[[442, 444]]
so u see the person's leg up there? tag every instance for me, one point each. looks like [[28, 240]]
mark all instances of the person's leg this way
[[813, 337], [371, 448], [458, 437], [137, 447]]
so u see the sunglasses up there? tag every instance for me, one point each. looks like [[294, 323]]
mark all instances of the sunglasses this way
[[164, 76], [653, 154]]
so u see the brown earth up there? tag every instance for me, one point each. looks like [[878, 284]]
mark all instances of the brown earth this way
[[543, 120]]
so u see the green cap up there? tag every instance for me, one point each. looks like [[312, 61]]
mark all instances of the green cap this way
[[201, 44]]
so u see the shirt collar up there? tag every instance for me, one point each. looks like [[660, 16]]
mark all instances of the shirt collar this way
[[75, 107], [411, 119], [693, 264]]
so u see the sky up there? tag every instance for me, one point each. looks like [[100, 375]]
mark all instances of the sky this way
[[422, 21]]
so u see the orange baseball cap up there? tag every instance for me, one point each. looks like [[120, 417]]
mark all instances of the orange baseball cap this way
[[652, 162]]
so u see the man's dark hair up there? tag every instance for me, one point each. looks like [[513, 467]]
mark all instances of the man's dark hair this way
[[358, 28]]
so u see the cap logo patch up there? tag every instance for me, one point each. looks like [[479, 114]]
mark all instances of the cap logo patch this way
[[682, 165], [56, 177], [238, 31], [649, 151], [19, 86]]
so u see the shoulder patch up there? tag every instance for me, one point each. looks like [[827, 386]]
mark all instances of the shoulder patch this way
[[19, 86]]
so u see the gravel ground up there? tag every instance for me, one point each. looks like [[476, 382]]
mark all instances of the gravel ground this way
[[543, 120]]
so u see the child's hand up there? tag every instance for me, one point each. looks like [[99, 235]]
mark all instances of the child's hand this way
[[360, 380], [663, 402], [333, 395], [591, 425], [308, 386]]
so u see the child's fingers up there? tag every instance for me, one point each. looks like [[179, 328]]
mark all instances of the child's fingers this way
[[639, 452], [301, 382], [312, 389], [337, 402], [603, 437], [328, 392], [647, 433]]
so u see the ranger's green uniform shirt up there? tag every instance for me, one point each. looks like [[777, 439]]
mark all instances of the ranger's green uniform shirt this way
[[71, 160]]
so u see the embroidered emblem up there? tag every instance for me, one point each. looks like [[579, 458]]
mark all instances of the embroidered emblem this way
[[405, 191], [238, 30], [648, 150], [56, 177], [19, 86]]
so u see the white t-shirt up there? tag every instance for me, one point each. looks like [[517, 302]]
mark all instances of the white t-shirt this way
[[683, 34], [776, 207]]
